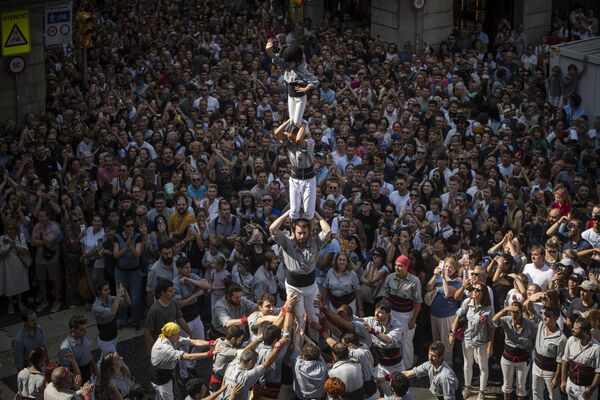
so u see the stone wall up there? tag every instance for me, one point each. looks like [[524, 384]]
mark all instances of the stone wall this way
[[537, 18]]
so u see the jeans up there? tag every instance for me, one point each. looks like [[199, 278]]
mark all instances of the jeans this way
[[132, 281]]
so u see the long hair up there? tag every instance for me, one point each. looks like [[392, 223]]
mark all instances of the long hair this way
[[106, 373]]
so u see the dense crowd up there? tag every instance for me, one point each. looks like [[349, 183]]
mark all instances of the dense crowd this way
[[457, 198]]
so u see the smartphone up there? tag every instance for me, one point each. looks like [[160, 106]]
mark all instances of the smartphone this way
[[82, 227]]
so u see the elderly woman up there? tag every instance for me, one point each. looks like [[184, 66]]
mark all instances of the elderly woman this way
[[445, 281], [341, 285]]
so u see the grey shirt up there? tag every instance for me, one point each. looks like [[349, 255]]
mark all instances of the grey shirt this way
[[273, 373], [103, 311], [165, 355], [184, 290], [363, 355], [236, 374], [393, 330], [588, 355], [552, 345], [264, 282], [479, 323], [350, 372], [223, 358], [300, 157], [309, 377], [300, 260], [341, 284], [81, 349], [24, 342], [158, 315], [223, 312], [512, 338], [160, 271], [442, 381]]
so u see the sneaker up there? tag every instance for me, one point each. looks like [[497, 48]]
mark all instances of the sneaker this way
[[42, 306], [55, 307], [466, 392], [481, 396]]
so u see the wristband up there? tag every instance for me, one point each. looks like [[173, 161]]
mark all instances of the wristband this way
[[210, 353], [244, 320], [322, 331], [388, 377], [372, 331], [321, 320], [325, 310], [212, 343]]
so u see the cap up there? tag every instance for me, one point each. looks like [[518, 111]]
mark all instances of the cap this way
[[403, 260], [576, 277], [588, 285], [566, 262]]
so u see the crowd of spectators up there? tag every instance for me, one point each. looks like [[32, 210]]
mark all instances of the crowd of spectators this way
[[475, 160]]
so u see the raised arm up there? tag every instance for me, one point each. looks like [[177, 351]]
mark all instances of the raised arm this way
[[274, 227]]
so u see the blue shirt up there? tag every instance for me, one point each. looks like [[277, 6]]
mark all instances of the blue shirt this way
[[442, 306], [196, 194]]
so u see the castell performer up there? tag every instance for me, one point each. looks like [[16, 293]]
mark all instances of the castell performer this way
[[299, 80], [300, 254]]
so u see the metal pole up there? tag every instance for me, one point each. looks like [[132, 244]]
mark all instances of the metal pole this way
[[418, 30], [18, 98], [84, 75]]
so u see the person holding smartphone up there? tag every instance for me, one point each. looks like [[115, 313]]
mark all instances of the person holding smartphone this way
[[105, 310]]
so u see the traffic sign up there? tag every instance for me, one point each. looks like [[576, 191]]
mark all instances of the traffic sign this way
[[15, 33], [16, 65], [59, 25]]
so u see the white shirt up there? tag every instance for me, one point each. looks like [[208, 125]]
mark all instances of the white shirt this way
[[540, 276], [592, 236], [91, 240], [399, 201]]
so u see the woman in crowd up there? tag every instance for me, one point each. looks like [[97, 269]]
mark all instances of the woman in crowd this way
[[116, 380], [341, 285]]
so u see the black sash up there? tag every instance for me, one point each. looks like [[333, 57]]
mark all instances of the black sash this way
[[515, 355], [302, 173], [190, 312], [400, 304], [86, 372], [108, 331], [339, 301], [389, 356], [358, 394], [545, 363], [370, 388], [160, 376], [581, 375], [299, 280]]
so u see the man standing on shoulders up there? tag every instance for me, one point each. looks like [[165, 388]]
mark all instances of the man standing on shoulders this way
[[403, 291], [300, 254], [443, 382]]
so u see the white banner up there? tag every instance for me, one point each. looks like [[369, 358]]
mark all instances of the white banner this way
[[59, 25]]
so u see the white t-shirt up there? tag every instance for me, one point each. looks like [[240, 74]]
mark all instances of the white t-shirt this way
[[592, 236], [539, 276]]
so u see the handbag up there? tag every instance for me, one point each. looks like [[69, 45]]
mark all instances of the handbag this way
[[461, 327], [430, 296]]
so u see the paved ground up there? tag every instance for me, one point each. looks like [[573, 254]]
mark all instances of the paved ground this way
[[131, 346]]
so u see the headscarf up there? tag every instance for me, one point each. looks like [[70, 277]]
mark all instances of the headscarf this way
[[169, 329]]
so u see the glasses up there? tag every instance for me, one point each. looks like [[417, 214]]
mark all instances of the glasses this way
[[477, 290], [139, 215], [376, 255], [443, 216], [267, 200]]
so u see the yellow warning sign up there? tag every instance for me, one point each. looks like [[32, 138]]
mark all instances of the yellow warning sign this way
[[15, 33]]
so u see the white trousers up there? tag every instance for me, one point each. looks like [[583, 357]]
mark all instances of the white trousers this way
[[164, 392], [303, 195], [382, 371], [509, 370], [541, 379], [575, 392], [296, 106], [480, 356], [440, 330], [306, 305], [408, 349], [107, 347], [197, 328]]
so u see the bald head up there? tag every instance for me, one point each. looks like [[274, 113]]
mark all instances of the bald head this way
[[59, 377]]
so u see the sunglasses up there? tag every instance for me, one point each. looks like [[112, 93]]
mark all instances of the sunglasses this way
[[477, 290]]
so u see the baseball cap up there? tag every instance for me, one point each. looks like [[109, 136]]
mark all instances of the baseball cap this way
[[576, 277], [588, 285]]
